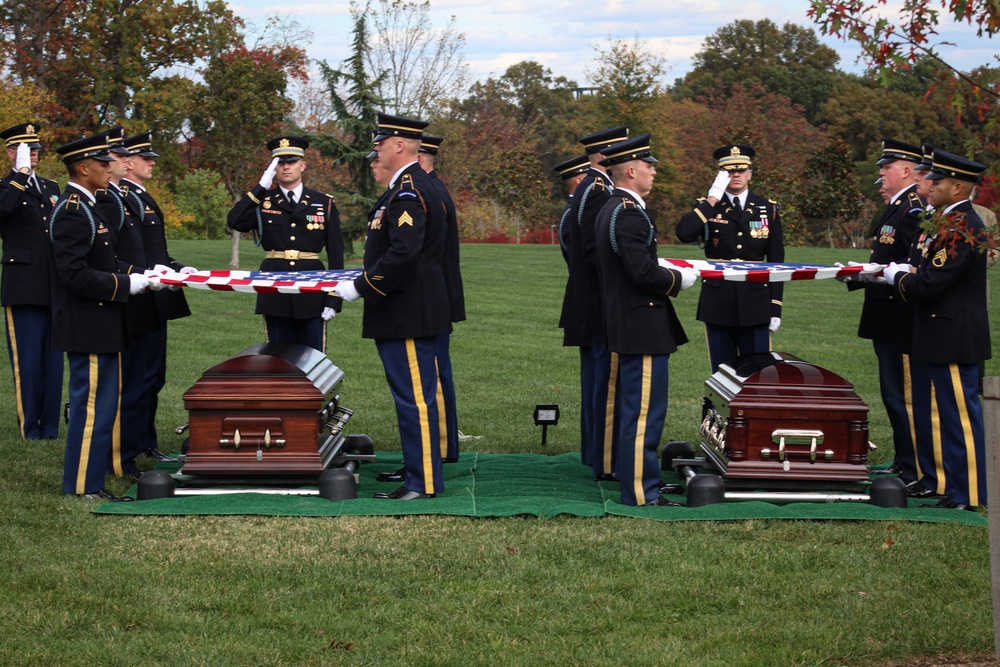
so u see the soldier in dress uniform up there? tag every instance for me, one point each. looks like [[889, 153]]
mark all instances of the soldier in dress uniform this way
[[951, 331], [293, 224], [88, 294], [170, 304], [427, 156], [735, 224], [406, 300], [885, 319], [124, 215], [571, 172], [642, 327], [26, 202], [582, 319], [926, 160]]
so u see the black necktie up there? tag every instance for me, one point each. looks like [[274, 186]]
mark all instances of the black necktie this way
[[291, 197], [34, 184], [737, 209]]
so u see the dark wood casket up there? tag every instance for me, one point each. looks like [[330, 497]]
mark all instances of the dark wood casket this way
[[270, 410], [778, 421]]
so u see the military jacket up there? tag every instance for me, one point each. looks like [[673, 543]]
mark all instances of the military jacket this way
[[311, 224], [948, 294], [88, 289], [452, 267], [752, 235], [636, 289], [403, 282], [25, 214], [582, 318]]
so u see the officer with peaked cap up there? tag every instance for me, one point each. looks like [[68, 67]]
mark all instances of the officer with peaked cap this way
[[170, 304], [571, 172], [886, 319], [294, 225], [406, 300], [951, 332], [734, 224], [427, 156], [88, 296], [582, 319], [26, 202], [642, 336]]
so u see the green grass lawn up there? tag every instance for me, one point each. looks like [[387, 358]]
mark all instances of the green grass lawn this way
[[82, 589]]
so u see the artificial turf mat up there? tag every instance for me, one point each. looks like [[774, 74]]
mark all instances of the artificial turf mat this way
[[494, 485]]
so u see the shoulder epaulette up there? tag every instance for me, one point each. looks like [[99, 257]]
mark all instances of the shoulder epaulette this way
[[628, 203]]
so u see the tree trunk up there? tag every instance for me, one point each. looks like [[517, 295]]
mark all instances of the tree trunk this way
[[234, 252]]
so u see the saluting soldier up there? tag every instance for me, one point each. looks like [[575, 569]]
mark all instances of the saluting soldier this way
[[170, 304], [951, 333], [88, 294], [735, 224], [406, 301], [447, 409], [293, 224], [642, 327], [26, 202], [886, 319], [582, 317]]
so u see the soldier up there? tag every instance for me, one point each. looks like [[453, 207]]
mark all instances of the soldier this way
[[951, 332], [735, 224], [642, 327], [427, 156], [26, 202], [170, 304], [406, 302], [88, 293], [571, 172], [582, 318], [885, 319], [294, 224]]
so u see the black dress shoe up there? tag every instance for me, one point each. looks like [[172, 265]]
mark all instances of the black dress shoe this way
[[666, 489], [947, 504], [104, 494], [155, 453], [449, 460], [894, 469], [403, 493], [660, 501], [397, 476], [605, 477], [917, 490]]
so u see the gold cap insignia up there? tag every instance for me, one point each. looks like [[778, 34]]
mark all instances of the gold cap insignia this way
[[284, 143], [30, 129], [735, 150]]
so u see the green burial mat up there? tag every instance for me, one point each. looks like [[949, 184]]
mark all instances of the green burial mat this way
[[495, 485]]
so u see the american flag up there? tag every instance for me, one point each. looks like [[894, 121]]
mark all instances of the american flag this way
[[267, 282], [763, 272]]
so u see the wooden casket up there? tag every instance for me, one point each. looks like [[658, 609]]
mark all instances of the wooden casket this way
[[780, 422], [270, 410]]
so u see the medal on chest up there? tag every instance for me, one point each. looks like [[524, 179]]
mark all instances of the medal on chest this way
[[376, 221], [887, 236]]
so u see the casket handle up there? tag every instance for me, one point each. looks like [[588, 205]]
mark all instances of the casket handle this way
[[784, 437]]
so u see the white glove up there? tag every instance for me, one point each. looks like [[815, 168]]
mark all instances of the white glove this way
[[187, 270], [268, 177], [890, 272], [842, 279], [775, 323], [161, 269], [719, 186], [153, 287], [346, 291], [137, 283], [22, 160], [328, 314], [688, 276]]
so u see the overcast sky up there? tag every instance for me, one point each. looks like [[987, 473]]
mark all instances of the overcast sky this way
[[562, 34]]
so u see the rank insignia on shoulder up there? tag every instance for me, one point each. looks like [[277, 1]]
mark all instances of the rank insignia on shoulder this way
[[628, 203], [406, 182], [914, 200], [600, 184], [939, 258], [405, 219]]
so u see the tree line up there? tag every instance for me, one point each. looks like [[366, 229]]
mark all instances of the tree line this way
[[214, 89]]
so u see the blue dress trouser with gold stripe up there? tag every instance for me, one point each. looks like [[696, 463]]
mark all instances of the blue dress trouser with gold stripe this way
[[959, 416], [603, 452], [586, 404], [93, 431], [411, 369], [642, 381], [154, 379], [38, 371], [446, 401], [896, 390], [135, 407]]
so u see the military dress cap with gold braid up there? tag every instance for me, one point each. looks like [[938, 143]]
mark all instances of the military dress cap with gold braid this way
[[928, 158], [397, 126], [598, 141], [735, 157], [429, 144], [637, 148], [573, 167], [893, 150], [116, 141], [288, 149], [25, 133], [949, 165], [141, 144], [94, 147]]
